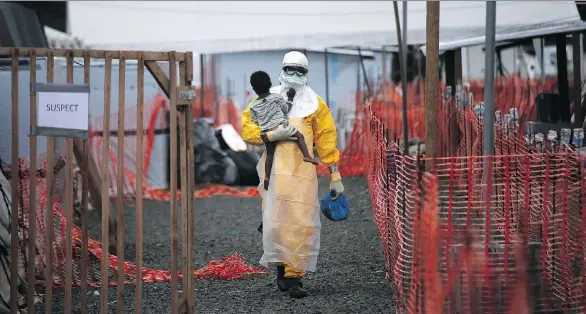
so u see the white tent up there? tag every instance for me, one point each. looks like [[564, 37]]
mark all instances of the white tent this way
[[222, 26], [236, 26]]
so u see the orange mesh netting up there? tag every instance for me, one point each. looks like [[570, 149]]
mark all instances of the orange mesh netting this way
[[448, 250], [155, 111], [386, 104], [228, 268]]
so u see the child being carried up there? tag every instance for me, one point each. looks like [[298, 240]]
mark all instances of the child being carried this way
[[268, 112]]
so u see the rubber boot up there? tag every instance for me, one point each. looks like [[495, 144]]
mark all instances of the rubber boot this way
[[296, 288], [292, 285], [259, 229], [281, 282]]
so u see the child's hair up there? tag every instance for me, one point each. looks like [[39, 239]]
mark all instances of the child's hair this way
[[261, 82]]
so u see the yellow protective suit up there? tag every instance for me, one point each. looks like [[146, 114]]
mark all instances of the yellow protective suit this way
[[291, 215]]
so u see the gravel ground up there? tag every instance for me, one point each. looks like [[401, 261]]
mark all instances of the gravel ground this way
[[349, 279]]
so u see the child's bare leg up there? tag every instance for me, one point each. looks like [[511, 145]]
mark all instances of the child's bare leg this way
[[270, 148], [301, 143]]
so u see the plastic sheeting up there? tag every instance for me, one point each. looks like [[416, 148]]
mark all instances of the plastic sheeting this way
[[6, 250], [291, 215], [212, 164], [245, 161]]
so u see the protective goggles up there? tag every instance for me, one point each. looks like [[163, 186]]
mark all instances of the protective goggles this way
[[295, 70]]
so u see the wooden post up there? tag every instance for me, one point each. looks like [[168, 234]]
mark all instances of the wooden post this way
[[49, 204], [183, 177], [139, 177], [187, 301], [84, 200], [106, 205], [191, 181], [32, 187], [69, 204], [173, 183], [120, 183], [432, 79]]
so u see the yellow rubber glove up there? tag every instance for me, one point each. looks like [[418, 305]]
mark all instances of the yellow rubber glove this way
[[336, 184]]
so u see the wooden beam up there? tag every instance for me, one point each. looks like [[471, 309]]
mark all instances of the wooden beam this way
[[96, 54], [159, 76], [432, 79], [191, 181]]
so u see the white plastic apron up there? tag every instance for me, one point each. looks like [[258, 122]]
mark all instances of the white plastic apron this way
[[291, 216]]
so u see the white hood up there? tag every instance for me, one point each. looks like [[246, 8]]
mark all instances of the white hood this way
[[305, 102]]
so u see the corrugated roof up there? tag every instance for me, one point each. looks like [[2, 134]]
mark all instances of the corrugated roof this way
[[509, 33]]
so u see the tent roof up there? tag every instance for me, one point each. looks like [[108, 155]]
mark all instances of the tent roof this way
[[227, 26], [515, 33], [313, 42]]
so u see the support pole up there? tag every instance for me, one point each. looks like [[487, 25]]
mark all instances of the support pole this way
[[202, 84], [364, 71], [563, 85], [432, 79], [488, 121], [489, 53], [577, 85], [327, 76], [405, 42], [542, 63], [384, 65], [405, 46], [403, 67]]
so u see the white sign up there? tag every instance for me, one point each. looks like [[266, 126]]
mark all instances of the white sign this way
[[63, 110]]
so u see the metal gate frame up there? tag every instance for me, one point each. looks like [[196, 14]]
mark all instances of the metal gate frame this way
[[98, 187]]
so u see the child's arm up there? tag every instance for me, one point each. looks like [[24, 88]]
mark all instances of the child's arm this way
[[285, 105], [290, 95], [253, 116]]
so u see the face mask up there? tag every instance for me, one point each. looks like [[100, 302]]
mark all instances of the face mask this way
[[294, 79]]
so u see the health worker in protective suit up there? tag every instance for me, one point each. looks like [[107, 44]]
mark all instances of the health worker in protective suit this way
[[291, 214]]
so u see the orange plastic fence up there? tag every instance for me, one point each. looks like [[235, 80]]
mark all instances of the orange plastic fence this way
[[228, 268], [449, 250], [386, 104]]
